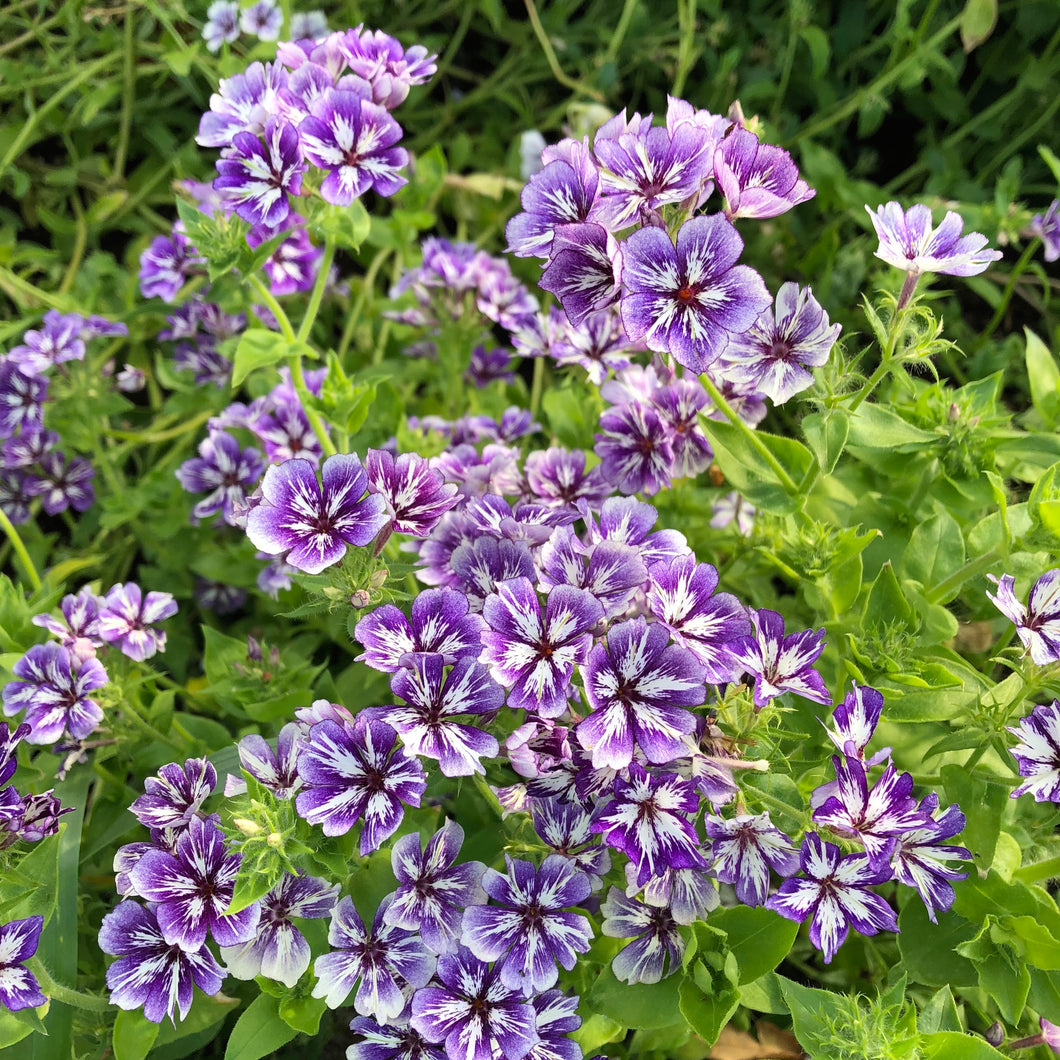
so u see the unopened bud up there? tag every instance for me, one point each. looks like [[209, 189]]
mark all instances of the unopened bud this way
[[995, 1034], [274, 840], [361, 598], [247, 827], [253, 648], [378, 578], [953, 413]]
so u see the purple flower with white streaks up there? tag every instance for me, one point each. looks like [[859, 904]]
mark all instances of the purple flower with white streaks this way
[[434, 700], [292, 266], [907, 241], [78, 629], [192, 887], [151, 973], [657, 946], [357, 772], [21, 399], [473, 1012], [921, 857], [15, 495], [279, 950], [393, 1041], [28, 448], [584, 269], [9, 740], [257, 177], [528, 930], [1047, 228], [126, 618], [243, 103], [1037, 624], [556, 1016], [313, 523], [611, 571], [775, 354], [416, 495], [1037, 753], [834, 892], [629, 521], [563, 192], [37, 817], [649, 820], [598, 344], [59, 339], [679, 404], [441, 623], [383, 959], [634, 447], [275, 576], [224, 472], [433, 891], [263, 20], [688, 894], [875, 816], [61, 484], [781, 663], [756, 179], [276, 770], [636, 687], [558, 478], [689, 298], [353, 139], [19, 988], [567, 829], [681, 596], [745, 849], [308, 25], [222, 24], [53, 688], [389, 68], [489, 366], [854, 721], [647, 167], [534, 654], [173, 798]]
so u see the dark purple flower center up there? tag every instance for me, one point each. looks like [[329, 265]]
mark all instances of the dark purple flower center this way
[[780, 350]]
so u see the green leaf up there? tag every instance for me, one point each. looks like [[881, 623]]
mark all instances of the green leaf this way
[[759, 938], [707, 1013], [571, 417], [940, 1013], [133, 1036], [1002, 974], [259, 347], [1044, 378], [1035, 942], [982, 827], [12, 1029], [302, 1013], [1051, 161], [201, 1025], [640, 1006], [934, 552], [258, 1031], [874, 427], [252, 884], [346, 226], [886, 603], [929, 950], [1044, 501], [763, 995], [826, 433], [978, 20], [953, 1045], [813, 1014], [597, 1030]]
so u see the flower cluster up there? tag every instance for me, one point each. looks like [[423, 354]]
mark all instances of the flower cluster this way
[[263, 19], [32, 465], [26, 818]]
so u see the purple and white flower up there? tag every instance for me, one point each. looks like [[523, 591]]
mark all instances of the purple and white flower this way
[[276, 770], [279, 950], [781, 663], [59, 339], [528, 931], [757, 180], [78, 629], [63, 484], [176, 795], [19, 988], [1037, 624], [745, 848], [561, 193], [167, 263], [263, 20], [394, 1041], [834, 892], [473, 1012], [584, 269], [126, 618], [921, 858], [313, 523], [257, 177], [384, 959], [1037, 753], [222, 24], [416, 495], [151, 973], [635, 448], [907, 241], [657, 946], [224, 472], [1047, 228]]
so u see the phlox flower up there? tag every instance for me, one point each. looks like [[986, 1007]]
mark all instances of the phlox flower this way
[[224, 472], [907, 241], [1047, 228], [921, 858], [1037, 624], [1038, 752], [257, 177], [416, 495], [127, 616], [657, 946], [263, 20], [757, 180], [222, 24], [173, 797], [781, 663], [745, 848], [19, 988]]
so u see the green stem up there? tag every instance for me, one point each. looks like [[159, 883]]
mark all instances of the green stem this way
[[128, 96], [79, 247], [133, 711], [620, 30], [20, 550], [367, 287], [302, 390], [553, 62], [537, 385], [1040, 870], [58, 992], [274, 307], [317, 294], [959, 577], [686, 23], [753, 440], [1017, 271]]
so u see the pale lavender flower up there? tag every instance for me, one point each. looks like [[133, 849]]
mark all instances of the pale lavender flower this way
[[907, 241], [353, 139], [222, 24], [243, 103], [599, 344], [313, 523], [279, 950], [433, 890], [781, 663], [58, 339], [532, 653], [130, 379], [689, 298], [920, 858], [648, 819], [126, 618], [257, 177], [19, 988], [192, 887], [175, 796], [1037, 753], [775, 354], [308, 25], [745, 849], [275, 576], [151, 973], [357, 772], [528, 932], [757, 180], [224, 472], [167, 263], [383, 959], [1037, 624], [657, 946], [416, 495], [53, 689], [732, 509], [834, 893], [263, 20], [78, 629], [1047, 228], [636, 688], [389, 68], [473, 1012]]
